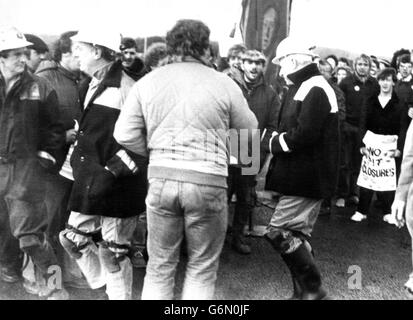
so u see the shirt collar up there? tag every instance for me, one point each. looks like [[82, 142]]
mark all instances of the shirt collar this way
[[407, 79]]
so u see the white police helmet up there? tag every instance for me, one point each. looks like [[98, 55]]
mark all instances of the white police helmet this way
[[11, 38], [97, 36], [291, 45]]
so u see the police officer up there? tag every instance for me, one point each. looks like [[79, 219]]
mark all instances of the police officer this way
[[30, 137], [304, 168]]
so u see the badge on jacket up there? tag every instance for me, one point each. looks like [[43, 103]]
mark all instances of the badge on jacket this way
[[32, 93], [357, 88]]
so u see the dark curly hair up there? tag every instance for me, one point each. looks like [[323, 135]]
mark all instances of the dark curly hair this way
[[156, 52], [63, 45], [188, 38]]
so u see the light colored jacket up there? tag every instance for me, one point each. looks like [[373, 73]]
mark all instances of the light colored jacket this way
[[181, 113]]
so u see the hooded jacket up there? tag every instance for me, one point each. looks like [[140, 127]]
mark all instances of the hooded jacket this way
[[306, 149]]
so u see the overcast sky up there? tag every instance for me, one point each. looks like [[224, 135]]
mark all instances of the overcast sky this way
[[373, 26], [377, 27], [132, 17]]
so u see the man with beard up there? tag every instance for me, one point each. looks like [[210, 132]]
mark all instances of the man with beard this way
[[264, 102]]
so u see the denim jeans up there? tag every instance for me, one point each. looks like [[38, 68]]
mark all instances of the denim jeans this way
[[200, 213]]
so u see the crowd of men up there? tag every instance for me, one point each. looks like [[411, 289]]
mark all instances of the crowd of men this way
[[110, 159]]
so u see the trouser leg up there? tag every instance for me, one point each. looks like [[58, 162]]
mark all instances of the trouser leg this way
[[365, 200], [114, 256], [165, 236], [78, 242], [11, 256], [288, 232], [355, 161], [386, 198], [206, 217]]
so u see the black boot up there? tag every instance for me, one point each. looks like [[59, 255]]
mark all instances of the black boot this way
[[306, 273], [297, 291]]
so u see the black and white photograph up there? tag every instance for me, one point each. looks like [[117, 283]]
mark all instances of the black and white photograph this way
[[206, 154]]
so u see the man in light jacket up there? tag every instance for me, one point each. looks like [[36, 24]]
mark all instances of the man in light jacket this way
[[181, 114]]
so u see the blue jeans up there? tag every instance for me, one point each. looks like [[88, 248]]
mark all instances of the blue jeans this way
[[200, 213]]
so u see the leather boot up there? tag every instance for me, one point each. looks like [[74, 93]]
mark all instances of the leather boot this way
[[306, 273], [297, 291]]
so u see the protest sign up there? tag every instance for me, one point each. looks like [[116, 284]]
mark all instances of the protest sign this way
[[378, 170]]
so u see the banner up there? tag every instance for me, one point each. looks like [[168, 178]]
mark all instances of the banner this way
[[378, 170], [264, 23]]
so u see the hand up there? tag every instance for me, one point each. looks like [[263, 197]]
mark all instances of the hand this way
[[101, 184], [363, 151], [410, 112], [46, 163], [392, 153], [397, 210], [71, 136]]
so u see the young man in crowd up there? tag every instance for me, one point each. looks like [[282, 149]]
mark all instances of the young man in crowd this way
[[305, 164], [234, 58], [327, 71], [181, 114], [36, 53], [264, 102], [357, 88], [63, 73], [404, 86], [132, 64]]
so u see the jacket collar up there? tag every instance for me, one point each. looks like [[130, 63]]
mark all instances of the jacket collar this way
[[110, 75], [68, 74], [23, 79], [393, 100], [304, 74], [356, 78]]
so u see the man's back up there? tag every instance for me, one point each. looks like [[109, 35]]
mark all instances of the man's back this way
[[187, 109]]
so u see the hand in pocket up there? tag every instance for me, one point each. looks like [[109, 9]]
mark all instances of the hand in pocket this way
[[101, 184]]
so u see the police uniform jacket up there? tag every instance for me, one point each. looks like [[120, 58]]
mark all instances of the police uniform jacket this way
[[306, 149], [29, 119]]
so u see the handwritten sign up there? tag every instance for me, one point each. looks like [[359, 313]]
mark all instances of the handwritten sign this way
[[378, 170]]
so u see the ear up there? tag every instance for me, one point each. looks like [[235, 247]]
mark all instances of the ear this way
[[242, 65], [97, 53], [66, 55]]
